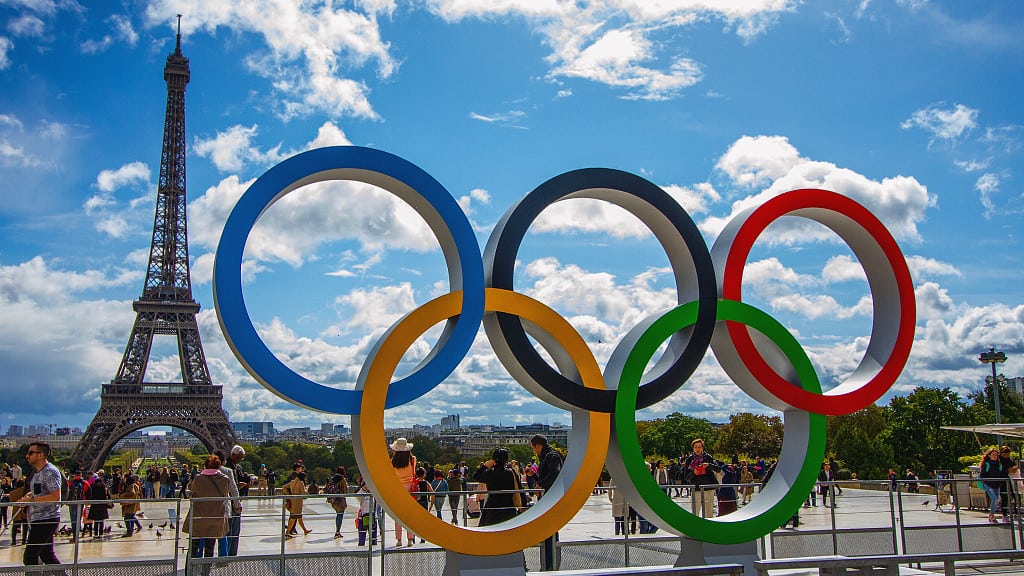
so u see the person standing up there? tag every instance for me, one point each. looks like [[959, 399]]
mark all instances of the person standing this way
[[456, 485], [207, 521], [826, 478], [129, 496], [440, 488], [549, 465], [297, 487], [700, 469], [337, 487], [503, 489], [76, 493], [99, 508], [747, 480], [44, 511], [241, 479], [993, 477], [404, 463]]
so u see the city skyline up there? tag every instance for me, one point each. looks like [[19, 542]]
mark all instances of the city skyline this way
[[910, 108]]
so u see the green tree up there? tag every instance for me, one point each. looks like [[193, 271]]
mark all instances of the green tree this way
[[750, 434], [671, 436], [345, 455], [983, 405], [425, 449], [915, 431], [856, 440]]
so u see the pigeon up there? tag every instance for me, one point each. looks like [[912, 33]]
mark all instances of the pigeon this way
[[925, 503], [108, 529], [159, 533], [150, 525], [164, 525]]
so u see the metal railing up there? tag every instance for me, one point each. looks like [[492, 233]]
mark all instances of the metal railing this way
[[873, 519]]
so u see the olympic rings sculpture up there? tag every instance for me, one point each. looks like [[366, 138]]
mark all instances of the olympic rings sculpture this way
[[757, 352]]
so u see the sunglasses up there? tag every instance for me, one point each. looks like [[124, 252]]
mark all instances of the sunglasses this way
[[33, 452]]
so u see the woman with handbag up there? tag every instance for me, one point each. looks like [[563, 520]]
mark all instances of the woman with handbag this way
[[505, 504], [207, 521], [337, 485], [296, 487]]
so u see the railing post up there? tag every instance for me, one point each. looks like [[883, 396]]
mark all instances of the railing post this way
[[830, 490], [177, 531], [284, 533], [892, 517], [903, 519], [956, 511]]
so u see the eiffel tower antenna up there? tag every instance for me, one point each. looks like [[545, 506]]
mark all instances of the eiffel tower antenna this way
[[166, 307]]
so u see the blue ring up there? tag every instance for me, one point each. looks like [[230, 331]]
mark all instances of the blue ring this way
[[398, 176]]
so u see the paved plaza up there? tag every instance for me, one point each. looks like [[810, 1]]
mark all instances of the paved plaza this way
[[263, 521]]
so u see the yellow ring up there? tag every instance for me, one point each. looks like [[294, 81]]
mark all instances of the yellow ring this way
[[579, 474]]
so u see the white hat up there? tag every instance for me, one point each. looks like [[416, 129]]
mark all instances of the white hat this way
[[236, 449], [401, 445]]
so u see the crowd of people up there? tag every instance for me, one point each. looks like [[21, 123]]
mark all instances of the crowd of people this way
[[504, 488]]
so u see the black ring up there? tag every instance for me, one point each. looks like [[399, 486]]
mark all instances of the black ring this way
[[669, 222]]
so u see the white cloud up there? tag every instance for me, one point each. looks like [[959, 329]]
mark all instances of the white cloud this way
[[943, 123], [131, 173], [754, 160], [233, 150], [971, 165], [921, 267], [693, 199], [842, 268], [987, 186], [590, 215], [309, 47], [899, 202], [511, 118], [611, 41], [26, 25], [6, 45]]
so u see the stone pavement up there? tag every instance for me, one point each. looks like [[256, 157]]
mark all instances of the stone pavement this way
[[263, 520]]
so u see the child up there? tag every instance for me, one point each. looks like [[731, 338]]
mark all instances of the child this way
[[365, 518]]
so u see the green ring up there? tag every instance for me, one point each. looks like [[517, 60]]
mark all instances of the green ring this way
[[721, 530]]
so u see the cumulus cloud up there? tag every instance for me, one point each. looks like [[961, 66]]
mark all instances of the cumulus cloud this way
[[309, 48], [232, 150], [131, 173], [617, 43], [771, 162], [943, 123]]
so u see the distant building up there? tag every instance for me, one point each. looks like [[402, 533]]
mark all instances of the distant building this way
[[341, 430], [301, 432], [15, 430], [1016, 384], [327, 429], [156, 445], [450, 423], [254, 430]]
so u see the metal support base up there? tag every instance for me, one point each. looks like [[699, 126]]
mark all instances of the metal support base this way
[[463, 565], [697, 553]]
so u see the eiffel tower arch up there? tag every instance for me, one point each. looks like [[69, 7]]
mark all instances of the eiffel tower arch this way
[[166, 307]]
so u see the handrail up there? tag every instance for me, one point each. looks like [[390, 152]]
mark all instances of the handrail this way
[[948, 559]]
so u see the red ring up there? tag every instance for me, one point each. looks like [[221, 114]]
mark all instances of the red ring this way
[[732, 282]]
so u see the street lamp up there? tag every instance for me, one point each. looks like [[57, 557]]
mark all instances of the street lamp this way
[[992, 357]]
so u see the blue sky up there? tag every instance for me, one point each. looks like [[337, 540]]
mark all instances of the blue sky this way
[[910, 107]]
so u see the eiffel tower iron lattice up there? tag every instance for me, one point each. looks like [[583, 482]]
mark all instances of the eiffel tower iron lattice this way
[[166, 307]]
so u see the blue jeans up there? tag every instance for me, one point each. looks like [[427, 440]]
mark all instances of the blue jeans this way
[[993, 498]]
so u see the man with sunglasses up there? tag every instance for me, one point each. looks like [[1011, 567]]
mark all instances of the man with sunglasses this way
[[44, 512]]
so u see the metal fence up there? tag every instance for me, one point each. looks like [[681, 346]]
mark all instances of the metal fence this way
[[873, 518]]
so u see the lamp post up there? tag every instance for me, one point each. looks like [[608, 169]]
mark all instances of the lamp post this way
[[992, 357]]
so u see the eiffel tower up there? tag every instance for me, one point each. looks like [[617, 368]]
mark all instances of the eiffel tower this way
[[166, 307]]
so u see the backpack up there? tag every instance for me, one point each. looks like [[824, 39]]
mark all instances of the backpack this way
[[63, 487]]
